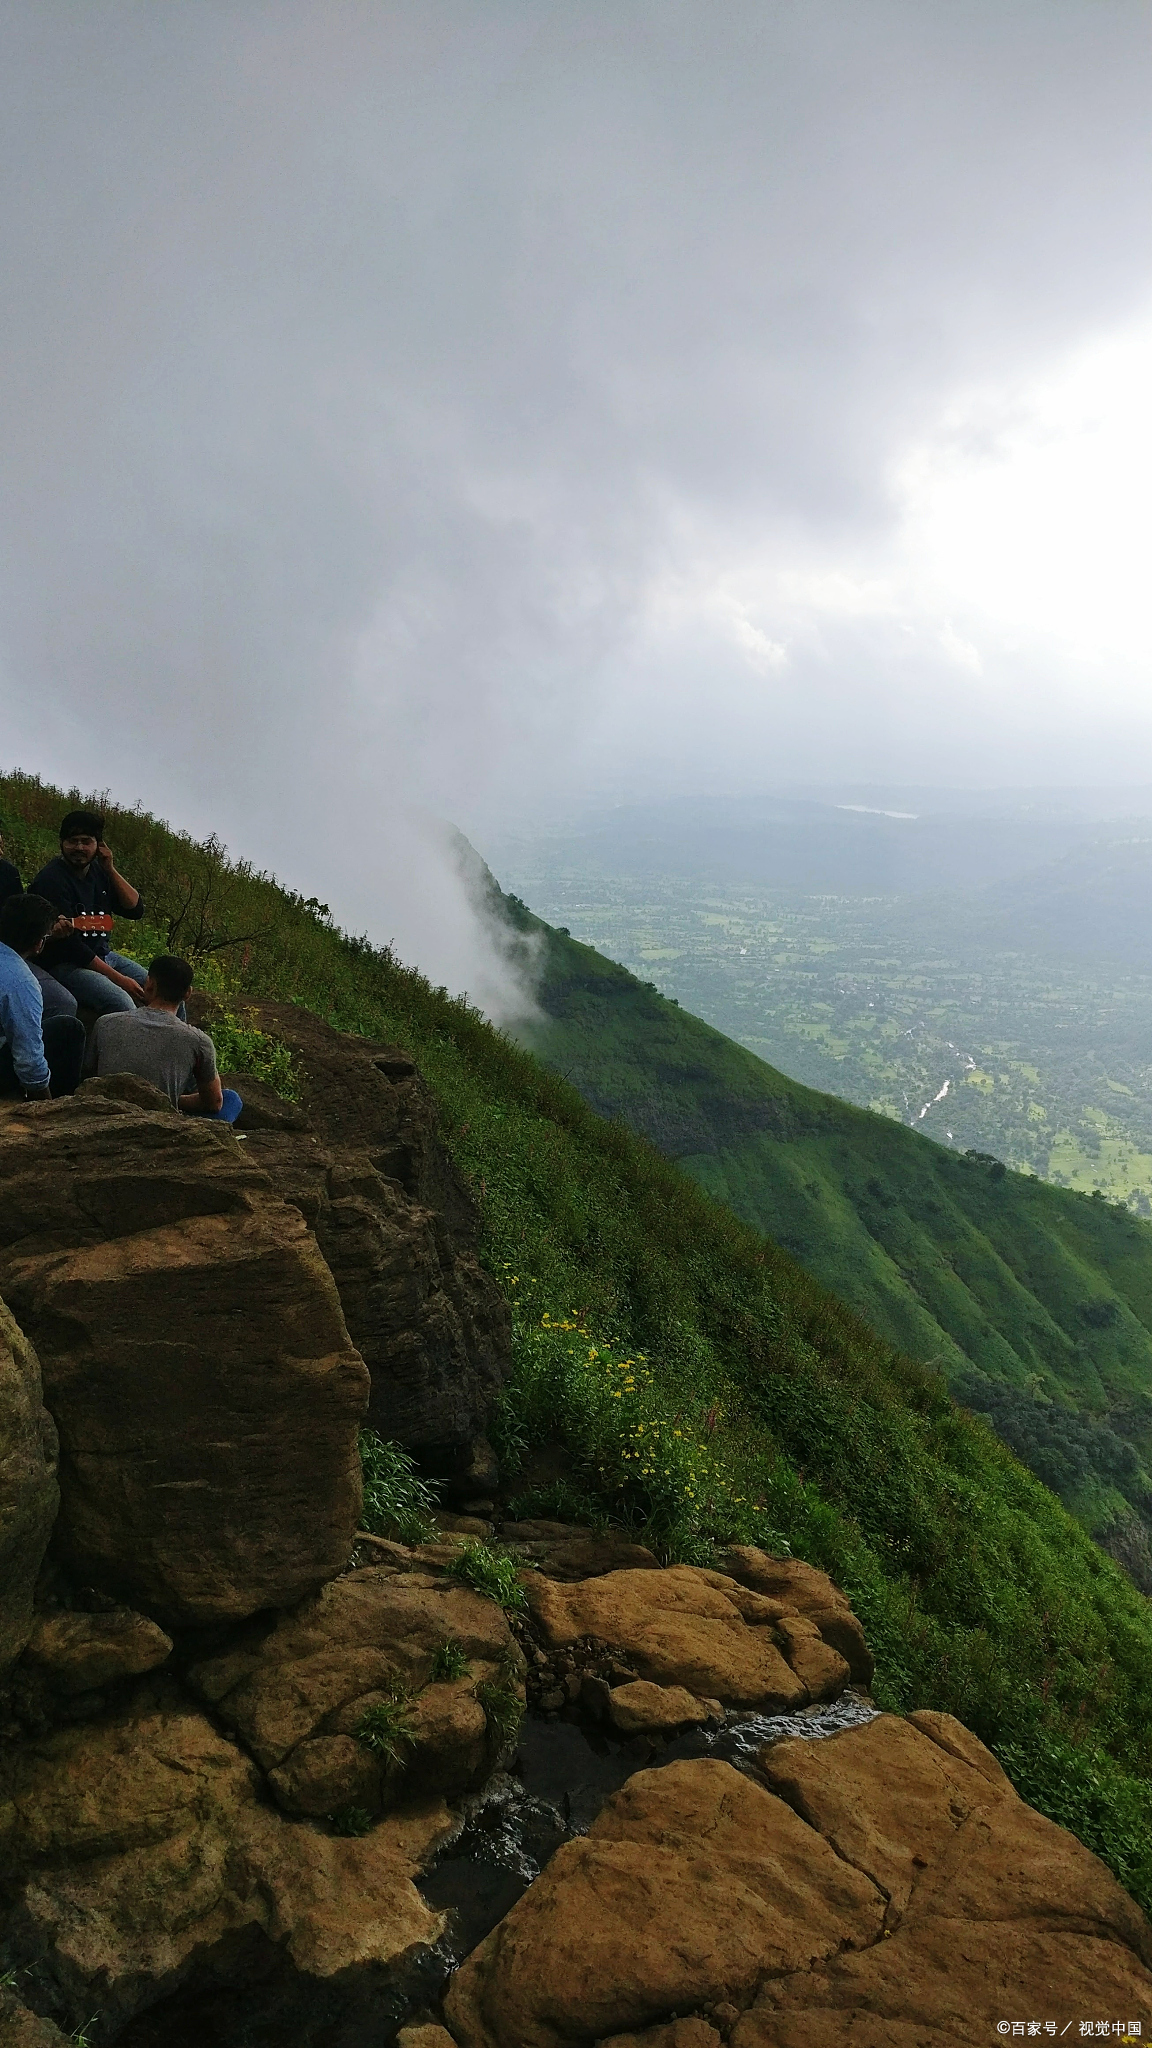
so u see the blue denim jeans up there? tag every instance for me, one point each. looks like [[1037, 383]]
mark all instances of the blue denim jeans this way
[[95, 992]]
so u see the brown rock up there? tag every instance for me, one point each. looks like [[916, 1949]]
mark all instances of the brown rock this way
[[450, 1739], [195, 1360], [29, 1496], [644, 1709], [430, 2036], [823, 1670], [399, 1230], [321, 1776], [563, 1551], [82, 1652], [20, 2028], [921, 1903], [676, 1629], [994, 1912], [801, 1589], [373, 1628], [690, 1885], [677, 2034], [138, 1852]]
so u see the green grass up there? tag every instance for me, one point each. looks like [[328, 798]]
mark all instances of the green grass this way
[[397, 1502], [490, 1572], [503, 1709], [386, 1728], [450, 1661], [947, 1256], [979, 1593]]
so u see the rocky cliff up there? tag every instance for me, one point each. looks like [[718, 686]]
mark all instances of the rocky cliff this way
[[266, 1779]]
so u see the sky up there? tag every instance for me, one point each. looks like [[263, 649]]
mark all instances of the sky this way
[[438, 411]]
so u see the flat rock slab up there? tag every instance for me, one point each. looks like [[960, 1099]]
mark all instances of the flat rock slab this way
[[641, 1708], [696, 1629], [889, 1891], [691, 1883]]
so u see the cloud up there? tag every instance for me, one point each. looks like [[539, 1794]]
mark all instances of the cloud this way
[[451, 411]]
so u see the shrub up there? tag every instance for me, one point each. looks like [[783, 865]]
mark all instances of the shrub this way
[[397, 1502], [503, 1709], [490, 1572], [386, 1727], [350, 1820], [450, 1661]]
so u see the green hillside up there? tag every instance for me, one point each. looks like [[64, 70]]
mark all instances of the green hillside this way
[[691, 1378], [989, 1275]]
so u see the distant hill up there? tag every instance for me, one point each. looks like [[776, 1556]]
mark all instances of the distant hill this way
[[1037, 1303]]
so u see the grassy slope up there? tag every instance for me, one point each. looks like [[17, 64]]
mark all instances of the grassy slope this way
[[950, 1258], [704, 1385]]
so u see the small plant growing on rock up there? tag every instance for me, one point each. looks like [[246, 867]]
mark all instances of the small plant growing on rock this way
[[350, 1820], [450, 1661], [491, 1572], [503, 1708], [397, 1502], [386, 1728]]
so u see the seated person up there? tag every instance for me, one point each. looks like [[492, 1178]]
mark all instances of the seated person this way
[[39, 1055], [83, 881], [153, 1043], [57, 1001]]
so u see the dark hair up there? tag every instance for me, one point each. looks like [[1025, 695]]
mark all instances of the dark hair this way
[[25, 920], [173, 977], [90, 823]]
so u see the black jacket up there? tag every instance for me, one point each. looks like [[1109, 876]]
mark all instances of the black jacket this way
[[73, 893]]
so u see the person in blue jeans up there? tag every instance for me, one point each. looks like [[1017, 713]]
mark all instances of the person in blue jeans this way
[[39, 1056], [153, 1043], [83, 881]]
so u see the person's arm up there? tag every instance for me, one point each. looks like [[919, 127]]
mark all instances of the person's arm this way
[[124, 981], [124, 896], [208, 1095], [22, 1024]]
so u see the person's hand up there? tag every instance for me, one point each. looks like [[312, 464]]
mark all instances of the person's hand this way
[[104, 856], [61, 928]]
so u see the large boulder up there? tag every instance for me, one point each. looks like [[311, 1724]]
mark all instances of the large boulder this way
[[195, 1358], [698, 1629], [885, 1888], [399, 1230], [139, 1853], [296, 1693], [29, 1495]]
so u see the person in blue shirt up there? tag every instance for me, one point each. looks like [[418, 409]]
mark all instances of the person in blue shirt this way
[[39, 1056], [83, 879], [57, 1000]]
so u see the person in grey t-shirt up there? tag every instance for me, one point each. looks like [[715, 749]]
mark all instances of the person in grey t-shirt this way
[[153, 1043]]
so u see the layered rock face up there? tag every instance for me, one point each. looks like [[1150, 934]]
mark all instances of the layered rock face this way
[[29, 1496], [195, 1359], [398, 1230]]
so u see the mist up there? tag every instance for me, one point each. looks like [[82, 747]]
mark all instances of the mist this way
[[421, 416]]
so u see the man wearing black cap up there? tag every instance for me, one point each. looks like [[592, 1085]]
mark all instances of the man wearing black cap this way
[[82, 881]]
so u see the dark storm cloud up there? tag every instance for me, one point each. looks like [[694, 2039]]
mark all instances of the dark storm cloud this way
[[366, 368]]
